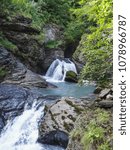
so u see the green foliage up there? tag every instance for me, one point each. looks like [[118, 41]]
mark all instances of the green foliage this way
[[3, 73], [93, 134], [53, 44], [5, 43], [40, 11], [94, 130], [104, 146], [96, 44], [73, 31], [56, 11]]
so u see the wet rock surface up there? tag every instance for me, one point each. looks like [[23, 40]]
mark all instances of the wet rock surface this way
[[13, 99], [56, 137], [71, 77]]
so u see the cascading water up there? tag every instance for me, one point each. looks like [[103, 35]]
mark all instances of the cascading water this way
[[22, 132], [57, 70]]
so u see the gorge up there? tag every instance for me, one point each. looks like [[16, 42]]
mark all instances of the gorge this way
[[56, 75]]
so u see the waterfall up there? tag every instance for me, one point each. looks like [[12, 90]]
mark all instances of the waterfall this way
[[22, 132], [57, 70]]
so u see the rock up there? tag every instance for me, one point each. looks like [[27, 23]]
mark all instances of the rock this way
[[1, 124], [18, 27], [104, 93], [27, 79], [71, 77], [7, 61], [109, 97], [97, 90], [29, 50], [105, 104], [18, 73], [52, 32], [53, 37], [27, 40], [79, 65], [22, 19], [90, 97], [57, 137], [61, 115], [78, 55], [13, 99]]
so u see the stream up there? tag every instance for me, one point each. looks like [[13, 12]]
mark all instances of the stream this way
[[21, 133]]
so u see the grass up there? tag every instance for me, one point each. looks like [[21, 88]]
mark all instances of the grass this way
[[93, 130]]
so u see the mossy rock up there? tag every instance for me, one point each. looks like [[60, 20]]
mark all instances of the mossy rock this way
[[71, 77]]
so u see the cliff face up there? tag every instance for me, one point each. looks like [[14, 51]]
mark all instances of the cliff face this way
[[36, 49]]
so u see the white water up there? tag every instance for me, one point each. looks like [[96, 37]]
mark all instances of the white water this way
[[57, 70], [22, 132]]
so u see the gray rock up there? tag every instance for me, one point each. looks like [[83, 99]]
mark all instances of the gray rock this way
[[104, 93], [97, 90], [1, 123], [27, 79], [18, 73], [29, 50], [52, 34], [13, 99], [79, 65], [6, 59], [61, 115], [109, 97], [105, 104]]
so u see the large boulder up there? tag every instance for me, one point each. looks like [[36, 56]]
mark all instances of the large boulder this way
[[13, 99], [17, 73], [61, 115], [27, 78], [71, 76], [56, 137]]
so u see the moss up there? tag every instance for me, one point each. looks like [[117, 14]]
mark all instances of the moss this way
[[5, 43], [71, 76], [52, 117], [53, 44], [40, 37], [68, 126], [77, 108], [3, 73]]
